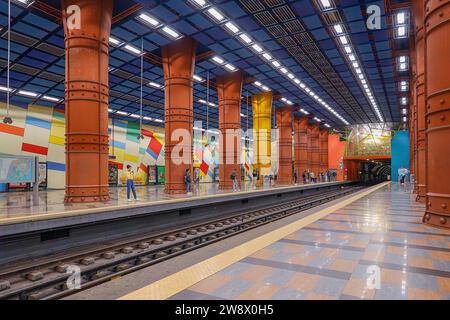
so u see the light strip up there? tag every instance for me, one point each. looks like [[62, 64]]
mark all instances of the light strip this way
[[28, 93], [353, 61]]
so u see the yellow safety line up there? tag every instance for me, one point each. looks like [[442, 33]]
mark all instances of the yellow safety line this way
[[28, 217], [171, 285]]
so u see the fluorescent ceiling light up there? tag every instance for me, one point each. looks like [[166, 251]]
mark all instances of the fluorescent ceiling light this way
[[158, 120], [402, 59], [338, 28], [265, 88], [24, 3], [343, 39], [232, 27], [154, 84], [200, 3], [147, 118], [135, 115], [2, 88], [276, 63], [230, 67], [218, 60], [267, 56], [325, 3], [355, 65], [290, 76], [257, 83], [352, 57], [114, 41], [284, 70], [49, 98], [132, 49], [110, 110], [402, 66], [123, 113], [401, 18], [149, 19], [216, 14], [404, 111], [404, 119], [257, 48], [27, 93], [358, 70], [401, 31], [171, 32], [197, 78], [245, 38]]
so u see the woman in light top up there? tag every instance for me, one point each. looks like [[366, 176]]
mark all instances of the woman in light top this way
[[130, 183]]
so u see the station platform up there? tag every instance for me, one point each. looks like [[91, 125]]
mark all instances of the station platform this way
[[17, 207], [26, 226], [327, 254]]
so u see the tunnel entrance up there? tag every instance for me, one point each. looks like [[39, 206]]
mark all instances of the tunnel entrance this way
[[370, 169]]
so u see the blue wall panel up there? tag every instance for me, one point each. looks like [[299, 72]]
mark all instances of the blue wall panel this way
[[400, 153]]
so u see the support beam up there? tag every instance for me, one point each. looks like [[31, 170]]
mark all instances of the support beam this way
[[412, 118], [262, 125], [437, 68], [86, 98], [284, 126], [323, 143], [300, 145], [229, 89], [178, 66], [315, 149]]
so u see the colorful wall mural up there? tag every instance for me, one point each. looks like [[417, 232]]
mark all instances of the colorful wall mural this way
[[39, 130]]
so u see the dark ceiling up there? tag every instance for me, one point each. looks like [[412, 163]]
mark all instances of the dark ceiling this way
[[300, 35]]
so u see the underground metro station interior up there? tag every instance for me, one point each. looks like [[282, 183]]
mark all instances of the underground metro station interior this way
[[229, 149]]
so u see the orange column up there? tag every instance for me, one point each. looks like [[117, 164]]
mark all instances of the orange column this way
[[315, 150], [323, 140], [86, 98], [412, 115], [309, 146], [336, 150], [300, 146], [283, 117], [178, 66], [437, 70], [229, 89], [420, 99]]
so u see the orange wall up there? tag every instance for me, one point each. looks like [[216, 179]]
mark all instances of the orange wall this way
[[336, 151]]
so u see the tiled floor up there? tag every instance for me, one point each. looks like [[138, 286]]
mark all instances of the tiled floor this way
[[332, 258], [22, 204]]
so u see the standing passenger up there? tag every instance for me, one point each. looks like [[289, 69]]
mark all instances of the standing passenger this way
[[130, 183], [234, 180], [255, 177], [187, 180], [295, 176]]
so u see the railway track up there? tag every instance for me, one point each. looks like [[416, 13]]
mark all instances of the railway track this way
[[49, 279]]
